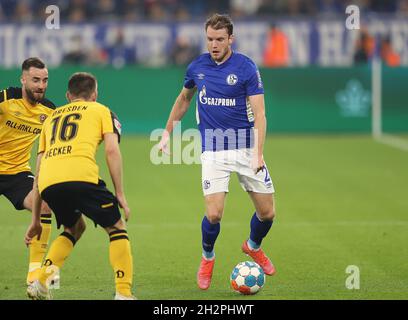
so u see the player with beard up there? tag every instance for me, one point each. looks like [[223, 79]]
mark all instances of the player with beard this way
[[22, 113]]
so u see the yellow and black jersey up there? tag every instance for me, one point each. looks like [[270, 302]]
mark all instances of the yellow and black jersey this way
[[20, 125], [69, 141]]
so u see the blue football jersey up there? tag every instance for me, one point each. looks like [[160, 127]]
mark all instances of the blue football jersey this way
[[224, 115]]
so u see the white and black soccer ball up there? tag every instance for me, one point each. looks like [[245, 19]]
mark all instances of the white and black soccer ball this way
[[247, 278]]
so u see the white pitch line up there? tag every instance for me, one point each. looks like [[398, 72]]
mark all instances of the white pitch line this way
[[393, 141], [359, 223]]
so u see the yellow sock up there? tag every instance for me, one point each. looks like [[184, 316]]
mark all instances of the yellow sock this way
[[120, 257], [59, 251], [38, 248]]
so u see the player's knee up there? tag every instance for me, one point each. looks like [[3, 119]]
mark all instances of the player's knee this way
[[77, 230], [214, 216], [119, 225], [80, 229], [267, 214]]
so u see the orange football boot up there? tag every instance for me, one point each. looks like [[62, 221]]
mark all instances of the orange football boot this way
[[205, 272], [260, 258]]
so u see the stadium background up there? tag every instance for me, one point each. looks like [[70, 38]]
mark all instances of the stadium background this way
[[341, 194]]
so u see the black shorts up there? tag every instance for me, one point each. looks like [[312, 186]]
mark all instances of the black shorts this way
[[16, 187], [68, 200]]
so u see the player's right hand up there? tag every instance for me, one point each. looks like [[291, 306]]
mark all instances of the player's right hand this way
[[35, 229], [123, 204], [258, 163]]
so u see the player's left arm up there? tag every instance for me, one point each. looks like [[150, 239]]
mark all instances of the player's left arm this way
[[114, 162], [257, 103], [35, 228]]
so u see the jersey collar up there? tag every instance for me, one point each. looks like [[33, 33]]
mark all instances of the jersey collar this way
[[222, 63]]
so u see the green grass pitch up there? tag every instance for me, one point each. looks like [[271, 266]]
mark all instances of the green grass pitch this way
[[341, 200]]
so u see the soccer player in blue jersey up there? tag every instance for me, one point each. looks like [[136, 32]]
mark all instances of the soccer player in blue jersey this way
[[231, 119]]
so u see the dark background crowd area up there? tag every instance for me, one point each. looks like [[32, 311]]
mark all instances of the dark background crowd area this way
[[79, 11]]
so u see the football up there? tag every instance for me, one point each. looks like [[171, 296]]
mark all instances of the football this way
[[247, 278]]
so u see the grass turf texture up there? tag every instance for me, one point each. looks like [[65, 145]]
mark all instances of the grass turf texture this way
[[341, 200]]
